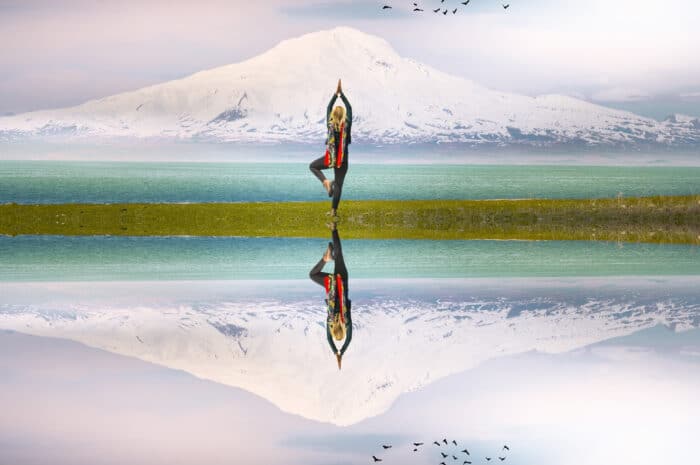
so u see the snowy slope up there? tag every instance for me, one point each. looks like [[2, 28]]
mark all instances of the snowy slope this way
[[281, 96], [276, 347]]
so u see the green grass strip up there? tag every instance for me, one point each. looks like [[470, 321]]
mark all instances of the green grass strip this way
[[664, 219]]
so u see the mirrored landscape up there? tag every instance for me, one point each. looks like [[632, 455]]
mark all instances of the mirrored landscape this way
[[543, 347]]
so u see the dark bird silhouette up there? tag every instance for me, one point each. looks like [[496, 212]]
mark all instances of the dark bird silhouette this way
[[386, 447], [386, 7], [505, 447], [506, 5], [415, 4], [376, 459], [415, 450], [454, 442], [444, 455], [445, 441], [417, 9], [466, 462], [465, 451], [417, 444], [488, 459], [443, 463], [436, 443], [444, 12], [454, 457], [466, 3], [442, 1], [454, 12], [436, 10], [501, 458]]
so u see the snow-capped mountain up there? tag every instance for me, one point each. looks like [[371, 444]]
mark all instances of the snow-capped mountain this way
[[276, 346], [281, 96]]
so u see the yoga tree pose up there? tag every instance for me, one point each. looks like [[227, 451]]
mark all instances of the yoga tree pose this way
[[338, 320], [339, 124]]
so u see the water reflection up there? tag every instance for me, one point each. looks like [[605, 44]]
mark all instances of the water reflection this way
[[338, 304]]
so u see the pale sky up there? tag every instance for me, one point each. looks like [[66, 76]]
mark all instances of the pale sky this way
[[639, 54]]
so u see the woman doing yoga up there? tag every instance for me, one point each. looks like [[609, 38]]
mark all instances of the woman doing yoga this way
[[339, 124]]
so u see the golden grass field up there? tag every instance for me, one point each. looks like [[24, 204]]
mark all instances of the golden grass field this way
[[663, 219]]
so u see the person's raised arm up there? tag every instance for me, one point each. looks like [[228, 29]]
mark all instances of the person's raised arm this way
[[329, 338], [348, 107], [329, 109], [348, 332]]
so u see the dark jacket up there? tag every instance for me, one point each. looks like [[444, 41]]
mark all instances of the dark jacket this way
[[319, 278], [347, 136]]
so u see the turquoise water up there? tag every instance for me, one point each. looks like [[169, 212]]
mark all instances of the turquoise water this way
[[57, 258], [112, 182]]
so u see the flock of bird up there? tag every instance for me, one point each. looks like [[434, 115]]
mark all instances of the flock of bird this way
[[441, 9], [445, 456]]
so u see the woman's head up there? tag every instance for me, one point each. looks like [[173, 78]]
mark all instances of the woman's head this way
[[337, 328], [338, 116]]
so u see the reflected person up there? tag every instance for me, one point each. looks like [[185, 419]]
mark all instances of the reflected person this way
[[338, 319]]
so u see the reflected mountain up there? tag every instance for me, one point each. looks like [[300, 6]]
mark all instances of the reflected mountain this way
[[408, 333]]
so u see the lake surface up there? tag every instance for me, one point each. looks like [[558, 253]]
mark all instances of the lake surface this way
[[215, 349], [46, 258], [112, 182]]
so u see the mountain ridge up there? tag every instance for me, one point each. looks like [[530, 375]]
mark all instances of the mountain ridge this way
[[280, 96]]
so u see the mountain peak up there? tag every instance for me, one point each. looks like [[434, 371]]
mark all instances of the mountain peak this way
[[281, 96], [355, 46]]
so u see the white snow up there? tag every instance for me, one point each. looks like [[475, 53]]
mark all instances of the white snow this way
[[277, 348], [281, 96]]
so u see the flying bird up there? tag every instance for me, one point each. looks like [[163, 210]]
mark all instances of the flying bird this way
[[417, 444], [443, 463], [417, 9], [501, 458], [436, 443], [488, 459], [454, 457], [445, 441], [505, 447], [444, 12], [466, 3], [454, 12], [415, 450], [376, 459], [436, 10], [386, 7], [506, 5], [466, 462], [444, 455], [454, 442], [386, 447], [465, 451]]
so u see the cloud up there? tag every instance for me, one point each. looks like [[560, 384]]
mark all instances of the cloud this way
[[620, 94], [369, 10]]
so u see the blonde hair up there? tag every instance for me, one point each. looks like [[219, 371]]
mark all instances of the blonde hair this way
[[337, 117], [337, 328]]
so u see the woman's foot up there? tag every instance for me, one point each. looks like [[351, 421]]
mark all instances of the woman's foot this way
[[328, 256], [327, 186]]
